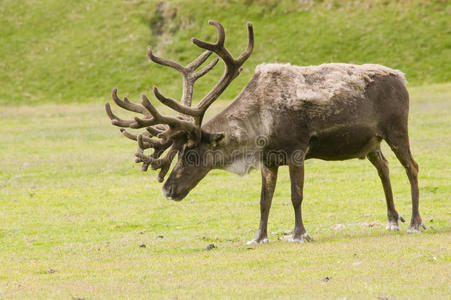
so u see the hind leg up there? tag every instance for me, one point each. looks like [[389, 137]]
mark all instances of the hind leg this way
[[297, 186], [378, 160], [399, 143]]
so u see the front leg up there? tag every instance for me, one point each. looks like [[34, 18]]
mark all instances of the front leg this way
[[269, 179], [297, 186]]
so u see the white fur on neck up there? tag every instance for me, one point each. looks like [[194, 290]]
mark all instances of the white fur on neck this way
[[243, 166]]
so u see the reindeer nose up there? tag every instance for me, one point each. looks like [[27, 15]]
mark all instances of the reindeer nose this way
[[171, 193], [167, 192]]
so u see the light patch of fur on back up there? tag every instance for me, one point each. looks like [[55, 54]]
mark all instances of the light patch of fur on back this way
[[321, 84]]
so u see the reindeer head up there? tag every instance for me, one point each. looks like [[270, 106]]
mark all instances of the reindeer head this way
[[182, 134]]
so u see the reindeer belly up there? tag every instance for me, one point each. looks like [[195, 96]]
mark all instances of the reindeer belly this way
[[343, 143]]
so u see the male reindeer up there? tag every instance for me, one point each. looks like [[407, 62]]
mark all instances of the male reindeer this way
[[330, 112]]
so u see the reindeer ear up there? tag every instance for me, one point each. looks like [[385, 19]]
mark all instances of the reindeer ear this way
[[215, 138], [212, 138]]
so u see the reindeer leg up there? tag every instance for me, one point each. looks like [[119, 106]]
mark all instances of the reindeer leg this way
[[269, 179], [378, 160], [297, 186], [399, 143]]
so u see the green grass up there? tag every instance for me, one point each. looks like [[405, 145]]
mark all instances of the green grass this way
[[74, 208], [73, 201], [77, 51]]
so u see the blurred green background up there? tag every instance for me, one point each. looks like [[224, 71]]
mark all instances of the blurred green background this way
[[77, 51]]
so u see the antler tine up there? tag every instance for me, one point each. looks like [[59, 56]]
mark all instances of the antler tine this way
[[175, 125], [220, 49], [146, 142], [205, 70], [129, 135], [188, 75], [155, 130], [126, 104], [154, 162], [160, 119], [198, 61], [159, 146], [189, 68], [153, 143], [162, 163], [156, 119], [210, 46], [115, 120], [151, 132], [174, 104], [159, 150], [232, 65], [164, 61], [250, 44], [184, 107]]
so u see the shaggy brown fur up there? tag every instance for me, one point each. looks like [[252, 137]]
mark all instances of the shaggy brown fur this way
[[330, 112]]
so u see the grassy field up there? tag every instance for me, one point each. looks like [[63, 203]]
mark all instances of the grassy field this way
[[77, 51], [76, 212], [78, 219]]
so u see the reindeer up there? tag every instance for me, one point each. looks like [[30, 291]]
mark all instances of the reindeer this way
[[283, 116]]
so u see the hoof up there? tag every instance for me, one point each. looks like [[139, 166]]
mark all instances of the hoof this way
[[300, 239], [415, 228], [257, 241], [392, 226]]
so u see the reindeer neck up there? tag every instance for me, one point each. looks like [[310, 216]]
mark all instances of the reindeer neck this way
[[242, 125]]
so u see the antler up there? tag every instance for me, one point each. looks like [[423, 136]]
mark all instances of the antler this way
[[232, 70], [187, 72], [157, 125], [163, 132]]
